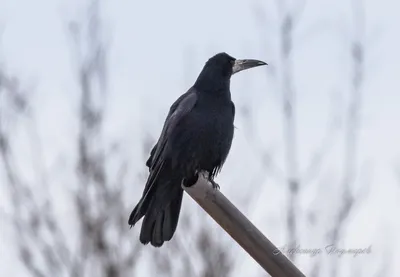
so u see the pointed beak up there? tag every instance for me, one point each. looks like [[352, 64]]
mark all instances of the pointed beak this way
[[240, 65]]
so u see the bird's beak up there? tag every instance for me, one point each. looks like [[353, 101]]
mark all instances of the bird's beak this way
[[240, 65]]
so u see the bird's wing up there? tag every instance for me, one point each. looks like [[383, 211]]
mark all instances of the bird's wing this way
[[181, 109], [173, 108]]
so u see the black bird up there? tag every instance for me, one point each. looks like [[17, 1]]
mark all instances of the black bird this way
[[196, 137]]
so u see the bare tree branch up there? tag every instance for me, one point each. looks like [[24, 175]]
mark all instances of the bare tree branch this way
[[357, 50], [290, 129]]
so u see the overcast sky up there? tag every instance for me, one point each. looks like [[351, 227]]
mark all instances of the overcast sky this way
[[157, 48]]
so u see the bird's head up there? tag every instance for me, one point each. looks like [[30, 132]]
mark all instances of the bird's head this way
[[227, 65], [220, 67]]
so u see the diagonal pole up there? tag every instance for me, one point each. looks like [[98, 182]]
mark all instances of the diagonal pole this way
[[242, 230]]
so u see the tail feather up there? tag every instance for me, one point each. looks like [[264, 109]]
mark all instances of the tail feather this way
[[152, 231], [161, 219], [172, 216], [141, 208], [160, 207]]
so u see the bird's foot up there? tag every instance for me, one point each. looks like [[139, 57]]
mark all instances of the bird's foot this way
[[214, 184]]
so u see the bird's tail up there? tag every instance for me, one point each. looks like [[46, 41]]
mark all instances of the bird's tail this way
[[160, 205]]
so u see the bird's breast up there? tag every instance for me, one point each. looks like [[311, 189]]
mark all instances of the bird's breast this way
[[214, 125], [204, 136]]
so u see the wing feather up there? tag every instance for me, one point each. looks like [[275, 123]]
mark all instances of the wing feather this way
[[184, 106], [172, 111]]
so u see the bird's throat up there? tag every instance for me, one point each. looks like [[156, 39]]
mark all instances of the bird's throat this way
[[206, 82]]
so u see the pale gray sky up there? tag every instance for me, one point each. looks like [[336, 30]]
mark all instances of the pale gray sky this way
[[149, 40]]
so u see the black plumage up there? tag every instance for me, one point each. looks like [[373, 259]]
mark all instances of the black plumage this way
[[196, 137]]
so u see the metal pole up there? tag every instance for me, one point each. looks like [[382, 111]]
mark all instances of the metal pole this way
[[242, 230]]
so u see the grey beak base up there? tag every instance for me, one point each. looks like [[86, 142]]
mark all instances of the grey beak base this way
[[240, 65]]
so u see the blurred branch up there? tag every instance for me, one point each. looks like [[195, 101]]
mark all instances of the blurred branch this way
[[201, 255], [290, 129], [296, 11], [10, 87], [289, 19], [350, 154], [99, 202], [42, 244], [30, 219], [357, 51]]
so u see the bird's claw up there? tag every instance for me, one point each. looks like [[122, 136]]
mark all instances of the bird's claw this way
[[214, 184]]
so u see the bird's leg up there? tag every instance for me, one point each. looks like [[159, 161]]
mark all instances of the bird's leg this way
[[213, 183], [210, 178]]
